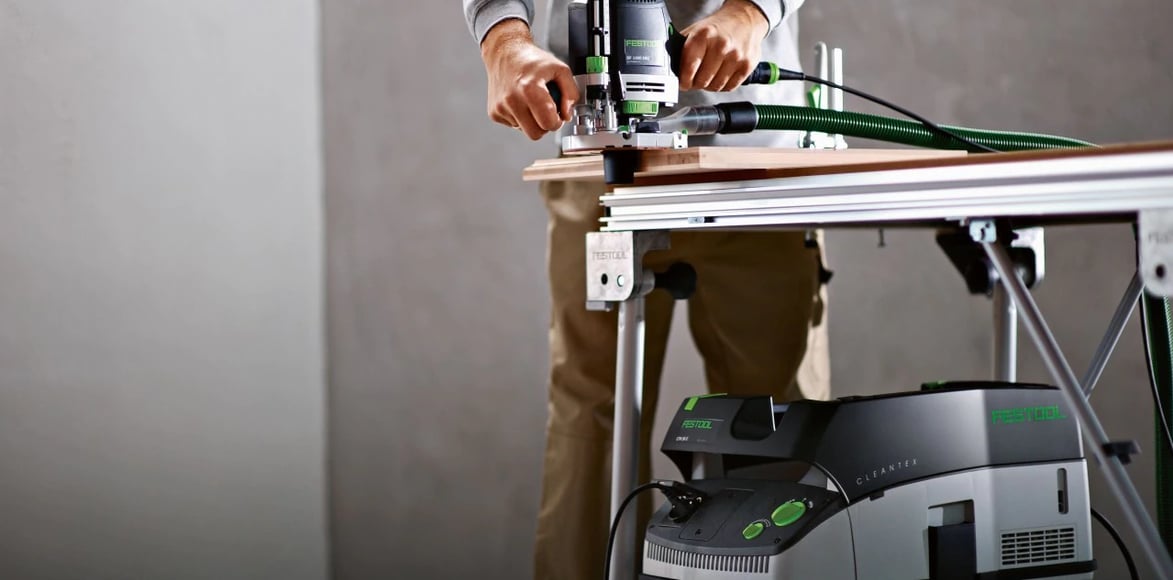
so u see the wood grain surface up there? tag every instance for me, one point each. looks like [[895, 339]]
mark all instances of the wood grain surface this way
[[720, 159], [682, 165]]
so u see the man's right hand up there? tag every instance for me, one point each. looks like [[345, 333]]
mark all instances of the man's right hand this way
[[518, 70]]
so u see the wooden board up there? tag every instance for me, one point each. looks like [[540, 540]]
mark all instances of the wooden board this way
[[693, 160]]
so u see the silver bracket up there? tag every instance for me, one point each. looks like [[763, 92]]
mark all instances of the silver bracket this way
[[1156, 251], [1034, 239], [983, 231], [614, 266]]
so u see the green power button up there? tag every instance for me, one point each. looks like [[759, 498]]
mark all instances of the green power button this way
[[753, 530], [788, 513]]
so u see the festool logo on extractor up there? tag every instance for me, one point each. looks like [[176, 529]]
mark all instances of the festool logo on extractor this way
[[643, 43], [1026, 414], [696, 424]]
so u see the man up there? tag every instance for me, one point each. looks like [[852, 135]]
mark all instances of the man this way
[[757, 315]]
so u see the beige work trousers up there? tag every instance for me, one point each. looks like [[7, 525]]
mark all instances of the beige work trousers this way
[[757, 319]]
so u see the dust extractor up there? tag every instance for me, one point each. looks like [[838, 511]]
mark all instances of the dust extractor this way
[[957, 481]]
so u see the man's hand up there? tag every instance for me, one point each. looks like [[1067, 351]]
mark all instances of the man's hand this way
[[518, 71], [722, 49]]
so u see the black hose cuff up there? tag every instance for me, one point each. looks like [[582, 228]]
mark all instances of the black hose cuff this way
[[739, 117]]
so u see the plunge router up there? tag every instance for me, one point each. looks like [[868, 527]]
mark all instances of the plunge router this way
[[625, 58], [956, 481]]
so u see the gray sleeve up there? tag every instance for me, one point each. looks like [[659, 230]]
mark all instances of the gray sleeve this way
[[481, 15], [776, 10]]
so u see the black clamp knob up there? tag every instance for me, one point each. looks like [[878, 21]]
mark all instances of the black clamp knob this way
[[1122, 450], [679, 280]]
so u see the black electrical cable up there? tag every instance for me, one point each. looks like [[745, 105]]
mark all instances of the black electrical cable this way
[[1119, 543], [1153, 376], [787, 74], [619, 517], [796, 75], [842, 492]]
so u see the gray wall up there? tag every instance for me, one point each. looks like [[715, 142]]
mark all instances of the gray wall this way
[[437, 340], [437, 296], [161, 368]]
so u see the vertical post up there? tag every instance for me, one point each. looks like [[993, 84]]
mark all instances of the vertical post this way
[[629, 373], [1005, 335], [837, 94], [1093, 432]]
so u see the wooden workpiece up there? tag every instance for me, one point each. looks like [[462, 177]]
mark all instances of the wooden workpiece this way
[[694, 160], [665, 166]]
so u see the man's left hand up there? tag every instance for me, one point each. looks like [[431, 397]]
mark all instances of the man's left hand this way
[[722, 49]]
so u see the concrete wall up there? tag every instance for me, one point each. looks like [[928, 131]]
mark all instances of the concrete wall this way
[[437, 297], [437, 302], [161, 368]]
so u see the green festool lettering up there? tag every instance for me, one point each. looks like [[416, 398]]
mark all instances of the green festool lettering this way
[[641, 107], [696, 424], [636, 42], [1026, 415]]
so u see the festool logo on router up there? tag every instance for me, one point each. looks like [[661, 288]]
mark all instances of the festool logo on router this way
[[1026, 414], [634, 42], [696, 424]]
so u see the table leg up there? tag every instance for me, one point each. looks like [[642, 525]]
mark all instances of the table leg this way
[[1112, 336], [1005, 335], [1093, 431], [629, 367]]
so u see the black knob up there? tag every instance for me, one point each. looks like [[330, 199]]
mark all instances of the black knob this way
[[679, 280]]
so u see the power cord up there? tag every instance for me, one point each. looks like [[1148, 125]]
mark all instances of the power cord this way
[[1119, 542], [684, 500], [786, 74], [1144, 313]]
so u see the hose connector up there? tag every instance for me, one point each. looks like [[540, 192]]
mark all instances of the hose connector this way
[[696, 120], [739, 117]]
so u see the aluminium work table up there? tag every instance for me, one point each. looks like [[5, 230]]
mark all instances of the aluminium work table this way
[[986, 195]]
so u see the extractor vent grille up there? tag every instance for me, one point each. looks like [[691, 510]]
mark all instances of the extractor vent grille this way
[[744, 564], [1036, 546]]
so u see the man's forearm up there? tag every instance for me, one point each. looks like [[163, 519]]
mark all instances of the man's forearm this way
[[481, 15], [777, 10], [505, 32]]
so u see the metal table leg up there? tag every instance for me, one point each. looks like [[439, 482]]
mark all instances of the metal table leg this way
[[1005, 335], [1112, 336], [629, 367], [1093, 431]]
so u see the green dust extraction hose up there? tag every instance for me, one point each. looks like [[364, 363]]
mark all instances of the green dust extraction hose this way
[[743, 117], [879, 128], [1157, 320]]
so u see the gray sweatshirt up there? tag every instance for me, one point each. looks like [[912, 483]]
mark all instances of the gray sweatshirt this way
[[780, 46]]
